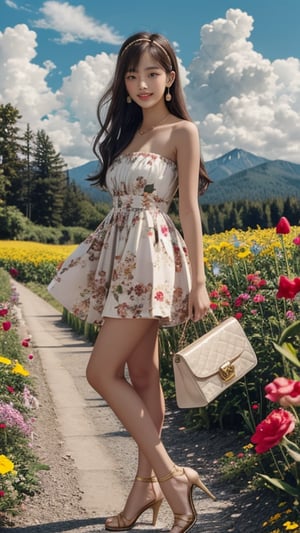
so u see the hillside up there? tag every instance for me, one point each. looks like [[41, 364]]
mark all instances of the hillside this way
[[272, 179], [232, 162], [237, 175]]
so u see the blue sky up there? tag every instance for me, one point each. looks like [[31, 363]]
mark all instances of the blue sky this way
[[276, 25], [62, 66]]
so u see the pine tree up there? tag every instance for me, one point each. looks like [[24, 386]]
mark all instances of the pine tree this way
[[11, 182], [48, 182], [27, 150]]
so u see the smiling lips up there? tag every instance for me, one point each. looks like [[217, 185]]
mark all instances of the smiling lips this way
[[144, 96]]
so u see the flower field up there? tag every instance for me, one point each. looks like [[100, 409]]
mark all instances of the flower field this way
[[253, 276], [18, 407], [33, 261]]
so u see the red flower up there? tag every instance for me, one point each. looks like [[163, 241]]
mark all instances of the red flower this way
[[213, 306], [283, 390], [2, 426], [288, 288], [25, 343], [296, 240], [6, 325], [238, 316], [13, 272], [3, 311], [272, 429], [255, 406], [10, 389], [2, 493], [30, 356], [283, 227]]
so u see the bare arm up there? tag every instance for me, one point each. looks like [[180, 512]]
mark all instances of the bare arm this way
[[188, 159]]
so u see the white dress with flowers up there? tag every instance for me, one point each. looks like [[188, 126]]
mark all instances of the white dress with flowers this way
[[135, 264]]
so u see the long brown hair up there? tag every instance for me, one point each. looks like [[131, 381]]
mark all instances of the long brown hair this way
[[121, 120]]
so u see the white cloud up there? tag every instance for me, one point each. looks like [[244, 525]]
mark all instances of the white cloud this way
[[22, 82], [240, 98], [74, 25], [11, 4]]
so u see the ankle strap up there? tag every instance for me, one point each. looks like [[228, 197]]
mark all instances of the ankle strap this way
[[152, 479], [176, 471]]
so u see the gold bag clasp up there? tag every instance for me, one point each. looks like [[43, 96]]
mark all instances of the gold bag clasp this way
[[227, 371]]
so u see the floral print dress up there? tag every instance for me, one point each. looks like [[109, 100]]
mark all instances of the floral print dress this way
[[135, 264]]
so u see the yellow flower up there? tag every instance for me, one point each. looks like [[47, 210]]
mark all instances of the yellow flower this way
[[242, 255], [4, 360], [229, 454], [6, 465], [290, 526], [19, 369], [248, 446]]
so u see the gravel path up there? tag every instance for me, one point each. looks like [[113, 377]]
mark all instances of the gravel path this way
[[58, 507]]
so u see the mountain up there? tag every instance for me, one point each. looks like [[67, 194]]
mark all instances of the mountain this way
[[80, 174], [232, 162], [272, 179], [237, 175]]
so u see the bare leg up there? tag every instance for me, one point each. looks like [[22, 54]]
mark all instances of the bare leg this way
[[117, 341], [143, 366]]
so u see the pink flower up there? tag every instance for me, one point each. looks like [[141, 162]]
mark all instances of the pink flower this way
[[30, 356], [288, 288], [238, 316], [240, 455], [272, 429], [283, 390], [259, 298], [25, 343], [290, 315], [296, 240], [159, 296], [3, 311], [164, 230], [283, 227], [2, 493], [10, 389], [213, 306], [255, 406], [6, 325]]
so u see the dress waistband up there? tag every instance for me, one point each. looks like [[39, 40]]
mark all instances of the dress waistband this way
[[137, 201]]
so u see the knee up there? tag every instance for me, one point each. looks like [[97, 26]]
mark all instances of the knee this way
[[142, 379]]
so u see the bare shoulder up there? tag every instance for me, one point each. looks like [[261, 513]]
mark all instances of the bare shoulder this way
[[185, 137]]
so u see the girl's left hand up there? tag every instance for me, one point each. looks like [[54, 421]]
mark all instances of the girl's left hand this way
[[199, 303]]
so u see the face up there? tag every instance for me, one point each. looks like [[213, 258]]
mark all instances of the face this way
[[147, 83]]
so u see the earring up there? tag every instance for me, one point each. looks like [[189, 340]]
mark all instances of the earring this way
[[168, 96], [128, 99]]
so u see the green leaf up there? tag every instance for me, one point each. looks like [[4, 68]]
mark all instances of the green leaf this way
[[291, 331], [149, 188], [293, 453], [286, 352], [278, 484]]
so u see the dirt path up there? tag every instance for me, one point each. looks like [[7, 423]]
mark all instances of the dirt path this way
[[58, 507]]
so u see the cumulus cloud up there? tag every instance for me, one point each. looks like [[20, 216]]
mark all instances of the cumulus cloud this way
[[23, 82], [72, 23], [240, 98]]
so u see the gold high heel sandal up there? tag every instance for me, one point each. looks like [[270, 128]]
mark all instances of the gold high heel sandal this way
[[186, 521], [123, 523]]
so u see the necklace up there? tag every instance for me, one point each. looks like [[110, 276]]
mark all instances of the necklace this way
[[142, 132]]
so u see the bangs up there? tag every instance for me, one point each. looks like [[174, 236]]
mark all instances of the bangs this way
[[157, 54]]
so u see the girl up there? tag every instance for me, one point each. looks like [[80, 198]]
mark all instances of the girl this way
[[135, 272]]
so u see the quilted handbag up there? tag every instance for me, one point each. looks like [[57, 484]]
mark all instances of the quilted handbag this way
[[212, 363]]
